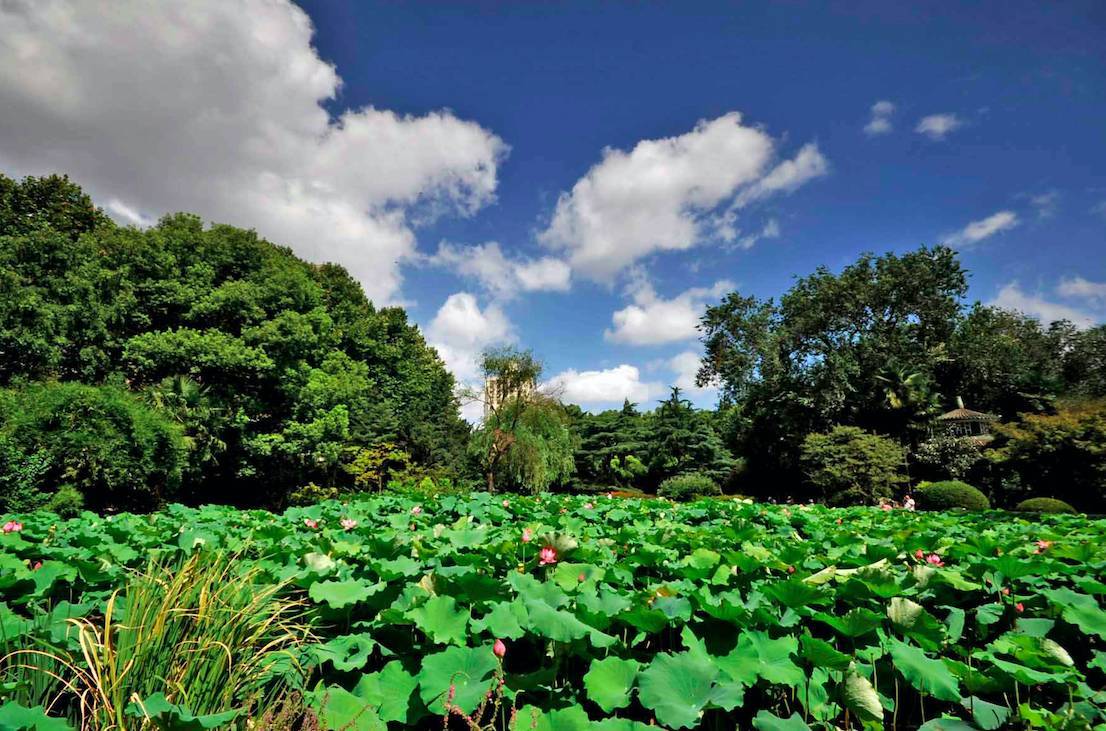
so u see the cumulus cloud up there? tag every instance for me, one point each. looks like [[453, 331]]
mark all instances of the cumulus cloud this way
[[217, 107], [604, 387], [984, 228], [685, 366], [653, 320], [501, 276], [880, 121], [1013, 297], [660, 196], [938, 126], [461, 331], [1080, 288]]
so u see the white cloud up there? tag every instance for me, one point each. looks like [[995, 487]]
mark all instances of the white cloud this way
[[604, 387], [461, 332], [937, 126], [770, 230], [984, 228], [652, 320], [659, 195], [880, 122], [1045, 203], [501, 276], [1013, 297], [216, 107], [1080, 288], [685, 366]]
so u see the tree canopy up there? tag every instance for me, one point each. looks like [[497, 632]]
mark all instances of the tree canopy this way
[[276, 370]]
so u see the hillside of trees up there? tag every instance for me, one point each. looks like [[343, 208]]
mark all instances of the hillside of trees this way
[[196, 363]]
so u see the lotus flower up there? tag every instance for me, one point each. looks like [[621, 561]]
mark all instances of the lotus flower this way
[[348, 523], [416, 510], [499, 649], [1006, 591], [588, 506], [581, 578], [1019, 607], [934, 560], [547, 555], [311, 523], [13, 526], [919, 554], [527, 535], [1043, 546], [36, 566]]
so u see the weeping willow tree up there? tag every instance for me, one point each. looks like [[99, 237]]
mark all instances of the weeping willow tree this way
[[524, 441]]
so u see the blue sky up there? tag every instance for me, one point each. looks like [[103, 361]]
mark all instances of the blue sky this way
[[630, 162]]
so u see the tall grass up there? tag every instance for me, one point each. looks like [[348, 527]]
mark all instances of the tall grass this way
[[206, 633]]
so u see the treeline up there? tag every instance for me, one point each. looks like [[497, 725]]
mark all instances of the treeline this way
[[204, 364], [196, 364]]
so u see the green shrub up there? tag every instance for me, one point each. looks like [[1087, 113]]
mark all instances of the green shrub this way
[[850, 466], [949, 495], [117, 451], [311, 493], [67, 502], [1043, 505], [688, 486]]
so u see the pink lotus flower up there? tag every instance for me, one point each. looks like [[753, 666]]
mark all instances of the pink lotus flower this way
[[416, 510], [348, 523], [588, 506], [310, 523], [1019, 607], [934, 560], [919, 554], [547, 555], [790, 569], [13, 526], [499, 649], [527, 535], [1043, 546], [581, 578], [1006, 591], [36, 566]]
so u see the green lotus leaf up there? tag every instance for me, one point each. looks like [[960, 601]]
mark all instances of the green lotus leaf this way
[[609, 682]]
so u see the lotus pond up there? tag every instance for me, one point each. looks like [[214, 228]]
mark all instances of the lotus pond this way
[[487, 611]]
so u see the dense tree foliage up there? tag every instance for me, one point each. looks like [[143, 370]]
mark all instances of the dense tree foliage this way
[[630, 449], [1060, 455], [278, 372], [884, 345], [120, 452]]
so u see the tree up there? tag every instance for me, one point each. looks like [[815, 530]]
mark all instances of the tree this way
[[103, 441], [683, 440], [1085, 363], [613, 447], [297, 369], [1060, 455], [821, 356], [525, 438], [849, 466], [1005, 362]]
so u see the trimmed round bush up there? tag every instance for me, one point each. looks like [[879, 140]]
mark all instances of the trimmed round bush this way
[[950, 495], [688, 486], [1043, 505]]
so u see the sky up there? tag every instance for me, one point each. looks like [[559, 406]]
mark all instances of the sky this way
[[582, 179]]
